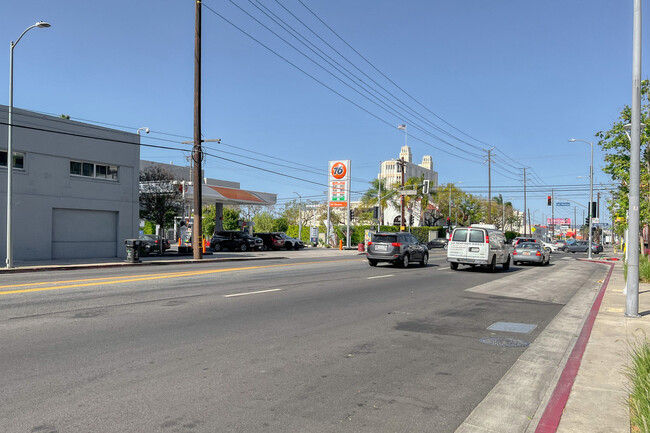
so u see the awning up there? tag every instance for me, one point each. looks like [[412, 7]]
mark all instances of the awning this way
[[220, 194]]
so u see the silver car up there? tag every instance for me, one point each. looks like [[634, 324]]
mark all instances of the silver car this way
[[531, 252], [397, 248]]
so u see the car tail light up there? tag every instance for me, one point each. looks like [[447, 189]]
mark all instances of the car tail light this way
[[396, 244], [156, 241], [514, 253], [369, 243], [487, 239], [538, 253]]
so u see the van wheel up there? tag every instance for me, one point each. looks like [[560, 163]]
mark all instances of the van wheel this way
[[493, 264], [506, 265], [453, 265], [405, 261]]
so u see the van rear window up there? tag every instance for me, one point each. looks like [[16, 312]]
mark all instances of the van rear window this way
[[384, 238], [476, 236], [460, 235]]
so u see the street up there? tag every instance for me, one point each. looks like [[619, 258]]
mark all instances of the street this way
[[297, 343]]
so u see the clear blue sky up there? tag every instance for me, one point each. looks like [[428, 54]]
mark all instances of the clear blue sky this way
[[522, 76]]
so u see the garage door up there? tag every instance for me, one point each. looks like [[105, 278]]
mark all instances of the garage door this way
[[80, 233]]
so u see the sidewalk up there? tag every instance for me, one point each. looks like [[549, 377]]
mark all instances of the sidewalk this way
[[598, 399]]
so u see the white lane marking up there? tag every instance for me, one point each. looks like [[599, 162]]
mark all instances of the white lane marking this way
[[251, 293], [381, 276]]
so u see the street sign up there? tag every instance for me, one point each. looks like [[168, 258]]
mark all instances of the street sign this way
[[595, 220], [409, 192], [562, 203]]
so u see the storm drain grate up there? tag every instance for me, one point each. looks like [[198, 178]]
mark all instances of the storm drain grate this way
[[504, 342], [520, 328]]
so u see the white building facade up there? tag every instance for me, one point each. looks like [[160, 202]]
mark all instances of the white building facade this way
[[75, 188], [391, 173]]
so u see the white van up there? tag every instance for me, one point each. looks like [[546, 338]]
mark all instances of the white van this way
[[481, 245]]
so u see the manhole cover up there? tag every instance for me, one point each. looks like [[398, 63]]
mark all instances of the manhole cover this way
[[521, 328], [504, 342]]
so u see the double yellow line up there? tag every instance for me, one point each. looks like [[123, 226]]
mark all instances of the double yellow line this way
[[69, 284]]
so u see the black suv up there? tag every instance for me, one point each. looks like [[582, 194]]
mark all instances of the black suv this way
[[235, 241], [397, 248]]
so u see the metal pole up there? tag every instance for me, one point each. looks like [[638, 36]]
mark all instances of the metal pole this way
[[299, 215], [197, 152], [591, 196], [10, 154], [632, 295], [10, 158], [327, 202]]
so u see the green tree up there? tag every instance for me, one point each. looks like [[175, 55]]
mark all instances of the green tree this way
[[264, 222], [231, 219], [616, 143], [160, 197]]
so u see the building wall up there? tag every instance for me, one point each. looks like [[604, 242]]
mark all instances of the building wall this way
[[59, 215], [391, 172]]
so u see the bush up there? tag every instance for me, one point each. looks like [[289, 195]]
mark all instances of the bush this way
[[644, 269], [639, 375]]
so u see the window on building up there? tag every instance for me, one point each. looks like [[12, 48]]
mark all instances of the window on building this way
[[89, 169], [19, 159]]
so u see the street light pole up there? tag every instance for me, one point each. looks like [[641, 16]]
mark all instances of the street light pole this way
[[632, 287], [299, 216], [591, 188], [10, 154]]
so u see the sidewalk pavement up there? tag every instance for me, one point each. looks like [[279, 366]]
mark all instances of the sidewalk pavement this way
[[598, 398]]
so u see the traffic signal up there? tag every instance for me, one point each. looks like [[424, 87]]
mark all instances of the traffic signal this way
[[375, 212], [425, 187], [350, 214], [549, 201], [448, 222], [587, 221]]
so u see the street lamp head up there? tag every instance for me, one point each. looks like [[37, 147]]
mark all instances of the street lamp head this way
[[42, 24], [572, 140]]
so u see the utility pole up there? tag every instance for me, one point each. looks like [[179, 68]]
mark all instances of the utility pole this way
[[197, 152], [379, 203], [575, 210], [490, 185], [632, 287], [402, 197], [553, 213], [525, 229]]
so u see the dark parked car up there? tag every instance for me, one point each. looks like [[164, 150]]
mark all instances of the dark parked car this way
[[437, 243], [397, 248], [151, 244], [235, 241], [271, 241], [289, 242]]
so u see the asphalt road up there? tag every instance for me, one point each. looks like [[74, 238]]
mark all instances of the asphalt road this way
[[297, 344]]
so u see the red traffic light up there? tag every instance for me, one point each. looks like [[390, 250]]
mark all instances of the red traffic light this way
[[549, 201]]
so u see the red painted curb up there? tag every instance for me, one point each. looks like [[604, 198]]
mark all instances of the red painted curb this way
[[554, 409]]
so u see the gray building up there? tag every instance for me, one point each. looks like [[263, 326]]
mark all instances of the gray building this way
[[75, 188]]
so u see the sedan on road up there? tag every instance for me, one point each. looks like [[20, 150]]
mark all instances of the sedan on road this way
[[578, 247], [531, 252]]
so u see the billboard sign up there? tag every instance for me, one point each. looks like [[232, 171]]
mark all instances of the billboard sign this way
[[339, 183], [558, 221]]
